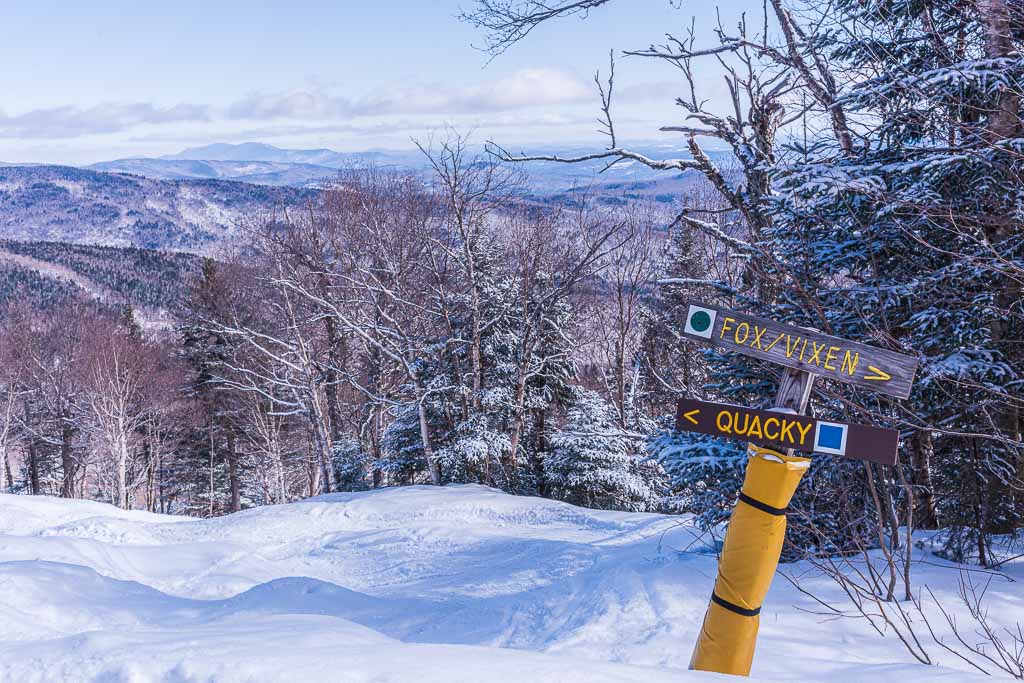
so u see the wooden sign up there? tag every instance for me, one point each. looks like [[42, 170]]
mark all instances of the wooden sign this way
[[883, 371], [781, 430]]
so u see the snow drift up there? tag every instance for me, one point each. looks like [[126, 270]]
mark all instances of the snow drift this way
[[461, 583]]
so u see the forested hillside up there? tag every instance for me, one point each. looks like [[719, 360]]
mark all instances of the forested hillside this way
[[60, 203], [49, 275], [26, 285], [180, 205]]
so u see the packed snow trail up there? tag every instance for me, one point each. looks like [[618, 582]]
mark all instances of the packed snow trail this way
[[461, 583]]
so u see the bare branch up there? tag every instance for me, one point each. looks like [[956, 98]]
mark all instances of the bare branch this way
[[506, 22]]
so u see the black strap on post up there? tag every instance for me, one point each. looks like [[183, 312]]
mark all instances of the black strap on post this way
[[742, 611], [763, 507]]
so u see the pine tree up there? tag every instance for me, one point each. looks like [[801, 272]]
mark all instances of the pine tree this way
[[912, 240], [352, 467], [403, 458], [206, 354], [594, 463]]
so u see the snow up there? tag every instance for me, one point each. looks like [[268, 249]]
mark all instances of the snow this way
[[461, 583]]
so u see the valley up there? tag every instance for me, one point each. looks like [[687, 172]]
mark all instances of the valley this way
[[129, 231]]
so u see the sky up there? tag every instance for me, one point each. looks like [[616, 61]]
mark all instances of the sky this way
[[103, 79]]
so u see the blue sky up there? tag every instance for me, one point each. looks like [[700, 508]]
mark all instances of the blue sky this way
[[94, 80]]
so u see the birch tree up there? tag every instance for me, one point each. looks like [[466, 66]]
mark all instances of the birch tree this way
[[120, 380]]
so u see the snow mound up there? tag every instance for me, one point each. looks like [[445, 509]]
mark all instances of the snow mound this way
[[461, 583]]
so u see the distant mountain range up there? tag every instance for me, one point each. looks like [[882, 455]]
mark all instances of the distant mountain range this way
[[104, 232], [258, 151], [191, 201], [258, 172], [255, 162]]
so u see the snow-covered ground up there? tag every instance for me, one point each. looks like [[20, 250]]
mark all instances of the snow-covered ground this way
[[418, 584]]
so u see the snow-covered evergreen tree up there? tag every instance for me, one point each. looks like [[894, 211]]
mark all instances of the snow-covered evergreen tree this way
[[911, 239], [593, 462], [403, 460], [352, 466], [705, 473]]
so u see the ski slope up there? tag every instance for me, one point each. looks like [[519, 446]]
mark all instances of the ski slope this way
[[421, 584]]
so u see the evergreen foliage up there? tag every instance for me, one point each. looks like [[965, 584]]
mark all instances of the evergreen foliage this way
[[593, 462]]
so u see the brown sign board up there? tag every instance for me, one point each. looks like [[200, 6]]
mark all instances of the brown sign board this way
[[782, 430], [877, 369]]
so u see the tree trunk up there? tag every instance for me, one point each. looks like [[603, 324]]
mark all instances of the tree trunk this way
[[236, 488], [890, 588], [212, 455], [5, 434], [331, 376], [10, 477], [620, 378], [67, 460], [996, 16], [375, 436], [150, 487], [322, 443], [122, 471], [428, 451], [542, 447], [33, 469], [33, 464], [1004, 123], [158, 476], [517, 424], [320, 423], [891, 517], [476, 353], [982, 491], [282, 488], [921, 450]]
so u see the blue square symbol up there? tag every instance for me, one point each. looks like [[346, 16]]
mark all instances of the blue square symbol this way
[[831, 437]]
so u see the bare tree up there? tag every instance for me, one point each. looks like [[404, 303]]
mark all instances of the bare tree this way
[[277, 358], [265, 433], [53, 353], [627, 276], [12, 389], [121, 385], [382, 290]]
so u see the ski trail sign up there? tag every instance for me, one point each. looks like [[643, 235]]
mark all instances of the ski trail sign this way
[[788, 430], [830, 357]]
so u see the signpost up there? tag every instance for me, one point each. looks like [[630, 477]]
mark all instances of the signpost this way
[[781, 430], [757, 528], [886, 372]]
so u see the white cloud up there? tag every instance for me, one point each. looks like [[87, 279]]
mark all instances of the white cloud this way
[[524, 99], [404, 126], [70, 121], [523, 89]]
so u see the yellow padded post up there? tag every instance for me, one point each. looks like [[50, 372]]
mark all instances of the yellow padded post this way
[[750, 555]]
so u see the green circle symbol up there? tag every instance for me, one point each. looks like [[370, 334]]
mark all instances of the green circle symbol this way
[[700, 321]]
